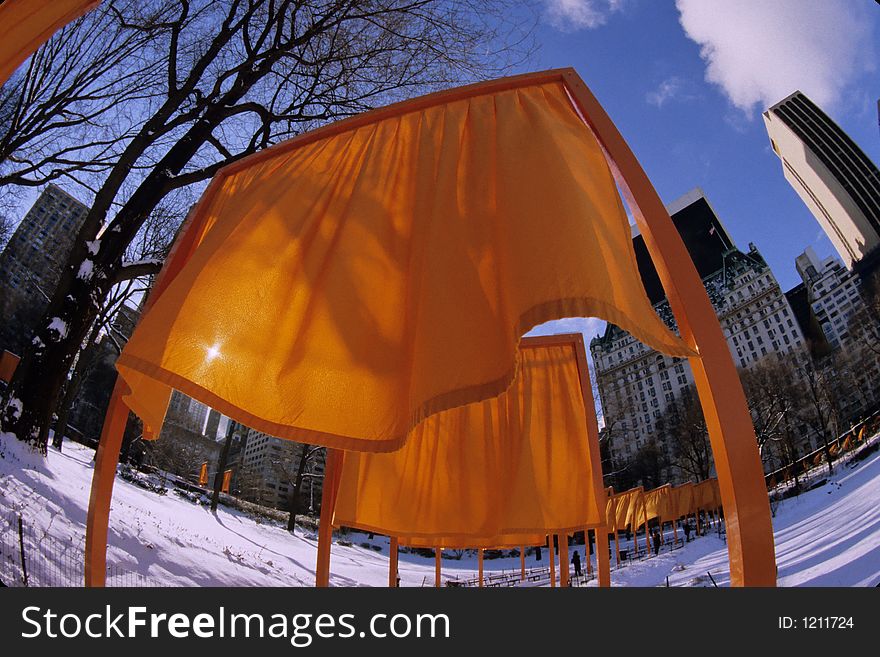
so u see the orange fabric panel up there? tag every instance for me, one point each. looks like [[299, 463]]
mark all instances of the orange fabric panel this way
[[507, 541], [716, 493], [515, 464], [25, 25], [659, 504], [683, 500], [348, 286], [707, 494], [629, 508], [611, 512]]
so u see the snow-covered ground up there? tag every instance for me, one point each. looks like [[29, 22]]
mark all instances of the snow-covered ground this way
[[826, 537]]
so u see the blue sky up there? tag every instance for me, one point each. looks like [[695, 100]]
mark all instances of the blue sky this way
[[686, 81]]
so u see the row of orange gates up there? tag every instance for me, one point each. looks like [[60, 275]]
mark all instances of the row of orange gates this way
[[856, 437], [631, 511]]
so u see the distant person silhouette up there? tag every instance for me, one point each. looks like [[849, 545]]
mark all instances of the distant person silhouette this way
[[576, 560]]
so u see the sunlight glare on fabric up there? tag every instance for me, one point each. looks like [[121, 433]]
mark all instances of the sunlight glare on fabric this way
[[213, 352]]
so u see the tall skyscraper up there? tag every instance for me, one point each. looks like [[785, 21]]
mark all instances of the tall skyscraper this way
[[833, 176], [32, 262]]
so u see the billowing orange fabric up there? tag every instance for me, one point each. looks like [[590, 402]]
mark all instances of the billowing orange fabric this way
[[25, 25], [659, 503], [611, 512], [707, 495], [629, 509], [514, 464], [683, 500], [716, 493], [347, 285]]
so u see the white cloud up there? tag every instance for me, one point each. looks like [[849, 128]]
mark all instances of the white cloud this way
[[672, 88], [759, 52], [571, 15]]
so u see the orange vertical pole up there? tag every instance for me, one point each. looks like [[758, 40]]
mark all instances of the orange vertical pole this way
[[674, 532], [647, 535], [599, 489], [603, 559], [107, 455], [587, 552], [332, 477], [392, 563], [563, 559], [480, 562], [697, 516], [731, 433], [437, 567], [552, 564], [522, 563], [106, 460]]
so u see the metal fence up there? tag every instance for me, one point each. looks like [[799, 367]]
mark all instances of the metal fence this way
[[30, 557]]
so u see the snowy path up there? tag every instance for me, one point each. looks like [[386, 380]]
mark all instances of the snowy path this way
[[827, 537]]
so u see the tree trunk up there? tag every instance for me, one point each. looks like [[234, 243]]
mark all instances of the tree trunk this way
[[221, 469], [297, 487], [86, 356], [36, 386], [828, 456]]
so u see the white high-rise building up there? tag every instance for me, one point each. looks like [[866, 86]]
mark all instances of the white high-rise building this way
[[831, 174], [833, 293]]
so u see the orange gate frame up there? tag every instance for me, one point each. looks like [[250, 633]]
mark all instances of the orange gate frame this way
[[731, 434]]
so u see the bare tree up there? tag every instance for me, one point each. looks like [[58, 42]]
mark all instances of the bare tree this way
[[250, 484], [6, 229], [771, 394], [684, 427], [178, 457], [69, 111], [864, 324], [144, 255], [818, 406], [649, 465], [294, 464], [239, 75]]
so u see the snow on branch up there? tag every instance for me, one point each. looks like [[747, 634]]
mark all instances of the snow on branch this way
[[145, 267]]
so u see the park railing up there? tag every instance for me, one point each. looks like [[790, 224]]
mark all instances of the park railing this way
[[842, 449], [31, 557]]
